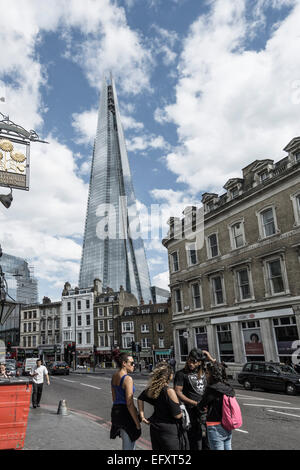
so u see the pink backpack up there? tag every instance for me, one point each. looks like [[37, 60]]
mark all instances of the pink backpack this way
[[231, 415]]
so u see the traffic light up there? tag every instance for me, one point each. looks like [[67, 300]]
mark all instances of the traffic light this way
[[95, 349], [8, 347]]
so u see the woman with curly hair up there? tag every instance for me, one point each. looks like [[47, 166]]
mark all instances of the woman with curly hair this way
[[165, 423], [218, 437]]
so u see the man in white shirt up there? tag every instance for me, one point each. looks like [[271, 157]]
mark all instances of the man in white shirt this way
[[38, 374]]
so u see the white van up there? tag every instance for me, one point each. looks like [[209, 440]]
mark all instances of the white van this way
[[29, 365]]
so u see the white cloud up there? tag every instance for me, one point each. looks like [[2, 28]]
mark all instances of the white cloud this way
[[162, 280], [143, 142], [233, 105]]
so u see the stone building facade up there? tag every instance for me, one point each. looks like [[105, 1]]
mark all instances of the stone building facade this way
[[236, 290]]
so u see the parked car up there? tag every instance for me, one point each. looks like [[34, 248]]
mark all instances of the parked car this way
[[59, 368], [270, 376]]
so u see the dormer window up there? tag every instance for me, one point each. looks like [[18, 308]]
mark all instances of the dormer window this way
[[234, 192], [297, 157], [264, 176]]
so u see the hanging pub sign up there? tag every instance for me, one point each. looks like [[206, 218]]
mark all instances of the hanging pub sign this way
[[15, 154], [14, 163]]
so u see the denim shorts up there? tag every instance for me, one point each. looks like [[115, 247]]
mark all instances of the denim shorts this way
[[219, 438]]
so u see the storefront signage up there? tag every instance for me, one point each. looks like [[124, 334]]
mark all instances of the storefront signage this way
[[254, 315]]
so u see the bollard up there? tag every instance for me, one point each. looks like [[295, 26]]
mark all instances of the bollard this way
[[62, 408]]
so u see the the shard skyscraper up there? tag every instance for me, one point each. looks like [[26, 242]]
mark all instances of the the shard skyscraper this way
[[111, 251]]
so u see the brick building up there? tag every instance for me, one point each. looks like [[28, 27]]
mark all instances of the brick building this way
[[148, 326], [238, 293]]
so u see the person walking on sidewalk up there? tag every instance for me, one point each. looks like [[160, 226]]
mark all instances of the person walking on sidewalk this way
[[124, 415], [165, 423], [38, 374], [3, 372], [190, 384], [218, 437]]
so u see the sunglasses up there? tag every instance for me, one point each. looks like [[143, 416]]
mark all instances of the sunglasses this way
[[193, 361], [131, 363]]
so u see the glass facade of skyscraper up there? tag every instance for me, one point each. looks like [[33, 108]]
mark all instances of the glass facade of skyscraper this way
[[111, 250]]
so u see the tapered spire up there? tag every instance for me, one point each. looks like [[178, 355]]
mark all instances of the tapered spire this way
[[110, 251]]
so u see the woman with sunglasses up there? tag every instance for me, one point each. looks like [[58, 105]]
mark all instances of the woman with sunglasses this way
[[124, 415]]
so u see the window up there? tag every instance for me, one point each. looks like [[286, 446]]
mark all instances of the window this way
[[110, 325], [243, 284], [79, 320], [79, 304], [264, 176], [127, 326], [237, 233], [268, 222], [69, 321], [254, 349], [88, 337], [29, 341], [225, 342], [101, 341], [297, 157], [24, 341], [87, 304], [25, 328], [145, 343], [178, 303], [218, 296], [100, 312], [161, 342], [201, 337], [88, 320], [296, 206], [196, 295], [110, 311], [79, 338], [213, 245], [69, 306], [191, 254], [183, 344], [100, 325], [275, 276], [34, 314], [234, 192], [175, 263], [34, 341], [25, 315], [160, 327], [144, 328], [34, 326], [127, 340]]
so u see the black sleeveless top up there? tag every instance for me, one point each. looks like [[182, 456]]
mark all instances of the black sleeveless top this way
[[165, 409]]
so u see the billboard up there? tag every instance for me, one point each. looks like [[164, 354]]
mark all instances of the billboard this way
[[253, 342]]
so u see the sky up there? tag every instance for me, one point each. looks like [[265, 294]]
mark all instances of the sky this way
[[204, 87]]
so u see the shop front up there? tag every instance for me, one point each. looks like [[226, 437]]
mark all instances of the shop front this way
[[272, 335], [50, 353]]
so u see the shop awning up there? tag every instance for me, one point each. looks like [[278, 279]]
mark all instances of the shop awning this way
[[164, 352]]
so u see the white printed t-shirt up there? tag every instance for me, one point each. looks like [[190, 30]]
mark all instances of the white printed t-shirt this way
[[41, 371]]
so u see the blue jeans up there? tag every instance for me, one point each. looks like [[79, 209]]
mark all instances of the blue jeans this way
[[127, 443], [219, 438]]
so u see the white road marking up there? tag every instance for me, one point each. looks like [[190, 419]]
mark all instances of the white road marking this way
[[264, 399], [273, 406], [241, 430], [282, 413], [72, 381], [92, 386]]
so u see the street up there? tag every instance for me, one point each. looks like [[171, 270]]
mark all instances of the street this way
[[270, 420]]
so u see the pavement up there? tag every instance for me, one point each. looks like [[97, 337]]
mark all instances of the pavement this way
[[78, 430]]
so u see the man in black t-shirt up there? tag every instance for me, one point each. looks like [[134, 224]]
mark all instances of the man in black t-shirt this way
[[190, 384]]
